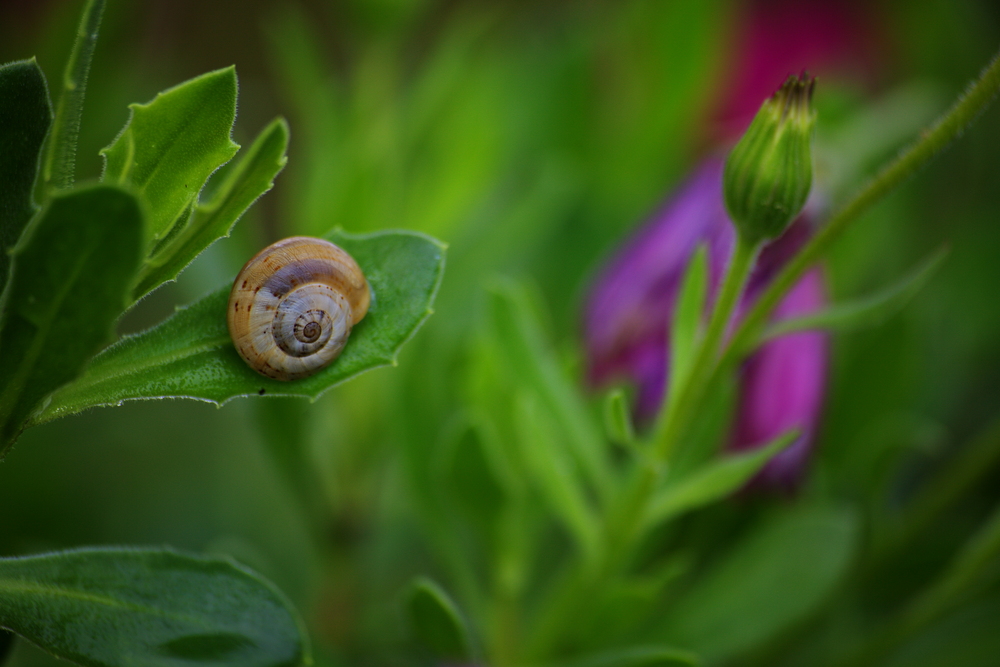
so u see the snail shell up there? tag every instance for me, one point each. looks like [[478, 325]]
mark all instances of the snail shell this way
[[293, 305]]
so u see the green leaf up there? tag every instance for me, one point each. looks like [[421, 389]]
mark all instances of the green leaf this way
[[714, 481], [60, 155], [617, 420], [549, 463], [25, 116], [688, 320], [172, 145], [214, 219], [869, 311], [436, 621], [638, 656], [530, 360], [190, 355], [69, 283], [775, 577], [111, 607]]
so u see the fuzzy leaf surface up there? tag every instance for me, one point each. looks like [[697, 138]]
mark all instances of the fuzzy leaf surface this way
[[171, 146], [190, 355], [69, 283], [122, 607], [25, 117]]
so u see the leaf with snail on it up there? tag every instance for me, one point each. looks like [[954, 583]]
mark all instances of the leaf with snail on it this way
[[69, 282], [149, 607], [190, 355], [25, 116], [171, 146]]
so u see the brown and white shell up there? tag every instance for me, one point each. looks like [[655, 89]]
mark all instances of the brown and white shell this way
[[293, 305]]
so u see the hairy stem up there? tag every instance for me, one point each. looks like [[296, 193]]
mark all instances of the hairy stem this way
[[59, 166]]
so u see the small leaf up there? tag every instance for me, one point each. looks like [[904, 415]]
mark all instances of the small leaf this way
[[638, 656], [617, 419], [25, 116], [776, 576], [436, 621], [121, 607], [69, 282], [59, 170], [171, 146], [687, 320], [190, 355], [869, 311], [715, 480], [214, 219], [529, 358]]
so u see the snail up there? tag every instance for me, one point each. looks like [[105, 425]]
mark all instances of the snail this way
[[293, 305]]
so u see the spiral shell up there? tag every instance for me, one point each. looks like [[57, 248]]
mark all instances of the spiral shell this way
[[293, 305]]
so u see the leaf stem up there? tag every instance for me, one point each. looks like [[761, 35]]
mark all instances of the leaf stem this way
[[59, 166]]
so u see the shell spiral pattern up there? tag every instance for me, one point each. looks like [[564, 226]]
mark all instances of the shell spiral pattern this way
[[293, 305]]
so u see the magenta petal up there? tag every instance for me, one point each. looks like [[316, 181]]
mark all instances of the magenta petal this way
[[782, 387]]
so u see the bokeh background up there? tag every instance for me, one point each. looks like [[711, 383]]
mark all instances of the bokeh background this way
[[532, 137]]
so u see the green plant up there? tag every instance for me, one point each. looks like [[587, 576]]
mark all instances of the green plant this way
[[71, 265]]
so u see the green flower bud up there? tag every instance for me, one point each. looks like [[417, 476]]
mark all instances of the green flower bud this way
[[769, 173]]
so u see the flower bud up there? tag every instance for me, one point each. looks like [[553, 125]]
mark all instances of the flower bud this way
[[769, 173]]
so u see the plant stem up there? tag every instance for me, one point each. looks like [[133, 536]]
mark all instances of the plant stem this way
[[625, 525], [625, 520], [670, 427], [59, 166], [931, 142]]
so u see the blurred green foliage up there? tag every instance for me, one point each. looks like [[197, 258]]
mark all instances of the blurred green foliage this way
[[532, 137]]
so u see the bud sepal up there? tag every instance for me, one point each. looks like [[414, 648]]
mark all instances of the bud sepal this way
[[768, 174]]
